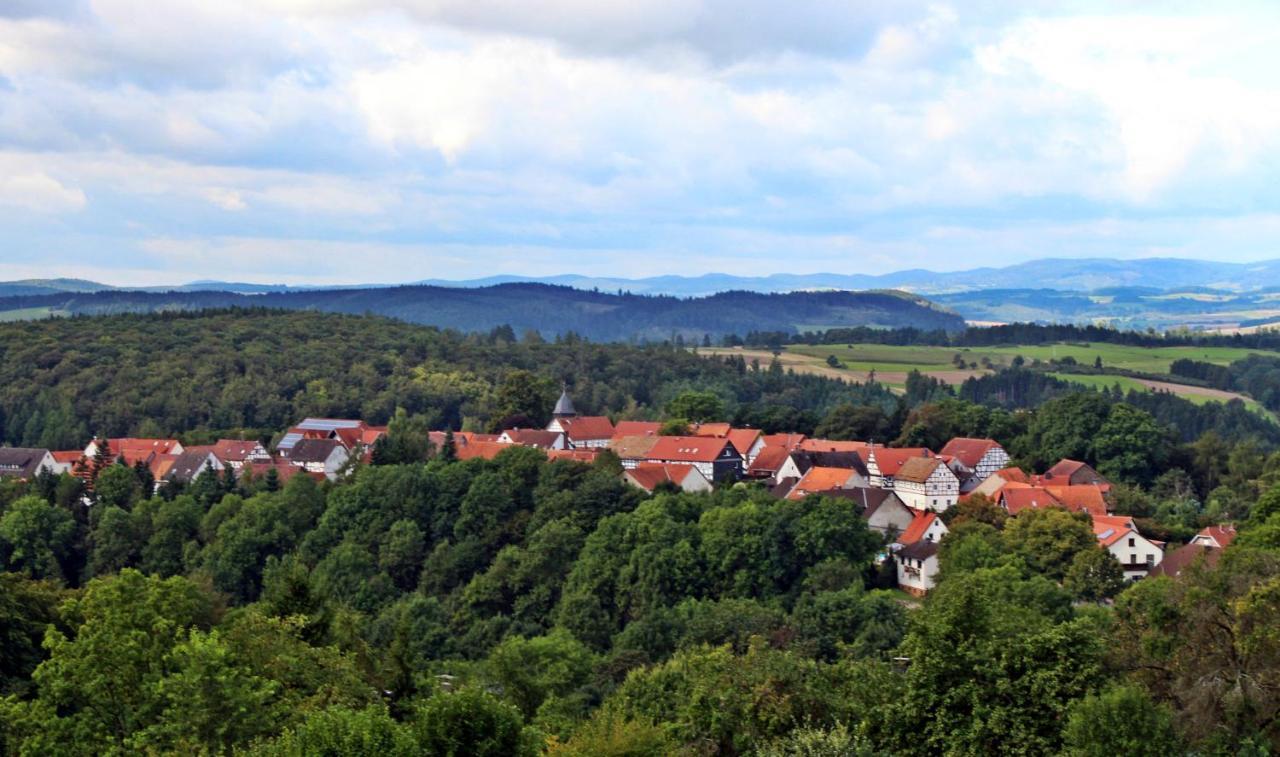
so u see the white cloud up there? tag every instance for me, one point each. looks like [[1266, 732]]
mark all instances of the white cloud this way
[[40, 193]]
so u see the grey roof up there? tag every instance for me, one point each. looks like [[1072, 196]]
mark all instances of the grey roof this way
[[921, 550], [564, 405], [188, 466], [21, 461], [313, 450]]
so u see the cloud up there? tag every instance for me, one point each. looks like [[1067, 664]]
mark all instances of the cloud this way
[[656, 136]]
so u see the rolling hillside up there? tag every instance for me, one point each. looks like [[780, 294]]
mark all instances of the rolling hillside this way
[[549, 309]]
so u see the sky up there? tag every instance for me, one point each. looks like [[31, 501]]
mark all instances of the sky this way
[[334, 141]]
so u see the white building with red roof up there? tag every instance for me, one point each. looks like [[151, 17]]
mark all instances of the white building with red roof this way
[[1218, 537], [648, 476], [926, 483], [1119, 535], [883, 463], [980, 458], [715, 457]]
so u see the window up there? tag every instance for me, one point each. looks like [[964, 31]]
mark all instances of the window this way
[[1131, 542], [1151, 560]]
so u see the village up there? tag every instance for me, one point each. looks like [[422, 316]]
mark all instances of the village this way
[[900, 492]]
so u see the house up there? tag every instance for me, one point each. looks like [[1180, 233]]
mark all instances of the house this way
[[916, 552], [884, 512], [187, 466], [926, 483], [1081, 498], [284, 471], [748, 441], [978, 457], [1073, 472], [1016, 497], [532, 437], [1184, 557], [883, 463], [631, 450], [636, 428], [925, 525], [714, 457], [325, 456], [710, 429], [818, 480], [917, 567], [648, 476], [236, 452], [799, 462], [1118, 535], [135, 451], [25, 462], [1218, 537], [65, 461], [583, 432], [485, 449], [996, 481], [579, 455], [767, 462], [350, 432]]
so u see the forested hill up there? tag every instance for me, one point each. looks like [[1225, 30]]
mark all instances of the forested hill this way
[[550, 310]]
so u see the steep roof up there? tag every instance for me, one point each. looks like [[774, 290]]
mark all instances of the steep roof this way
[[768, 461], [187, 466], [67, 455], [890, 460], [872, 498], [917, 469], [649, 475], [230, 450], [1183, 557], [689, 449], [969, 451], [1016, 497], [313, 450], [818, 480], [918, 550], [23, 462], [1221, 536], [486, 450], [711, 429], [919, 525], [564, 405], [744, 438], [636, 428], [1112, 528], [851, 460], [587, 427], [1065, 468], [1085, 498], [633, 447]]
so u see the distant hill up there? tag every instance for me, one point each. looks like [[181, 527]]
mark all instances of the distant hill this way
[[549, 309]]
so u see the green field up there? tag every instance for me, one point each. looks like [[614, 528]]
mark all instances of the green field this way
[[28, 314], [887, 358]]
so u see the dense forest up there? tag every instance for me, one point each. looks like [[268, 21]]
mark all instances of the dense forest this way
[[424, 605], [551, 310]]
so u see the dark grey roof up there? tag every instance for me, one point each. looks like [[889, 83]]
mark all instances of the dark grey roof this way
[[850, 460], [564, 405], [188, 466], [313, 450], [921, 550], [21, 461], [870, 498], [783, 487]]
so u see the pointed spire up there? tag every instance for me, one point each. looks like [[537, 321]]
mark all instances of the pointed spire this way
[[564, 405]]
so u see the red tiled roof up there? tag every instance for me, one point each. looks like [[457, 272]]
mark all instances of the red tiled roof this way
[[711, 429], [688, 449], [1013, 474], [648, 475], [786, 441], [828, 445], [1085, 498], [470, 437], [636, 428], [1016, 497], [1221, 535], [969, 451], [532, 437], [1183, 557], [233, 449], [486, 450], [587, 427], [890, 460], [820, 480], [633, 447], [744, 438], [284, 470], [919, 525], [1111, 528], [768, 461], [67, 456], [581, 455]]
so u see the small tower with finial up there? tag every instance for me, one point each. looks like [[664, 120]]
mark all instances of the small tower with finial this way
[[564, 405]]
